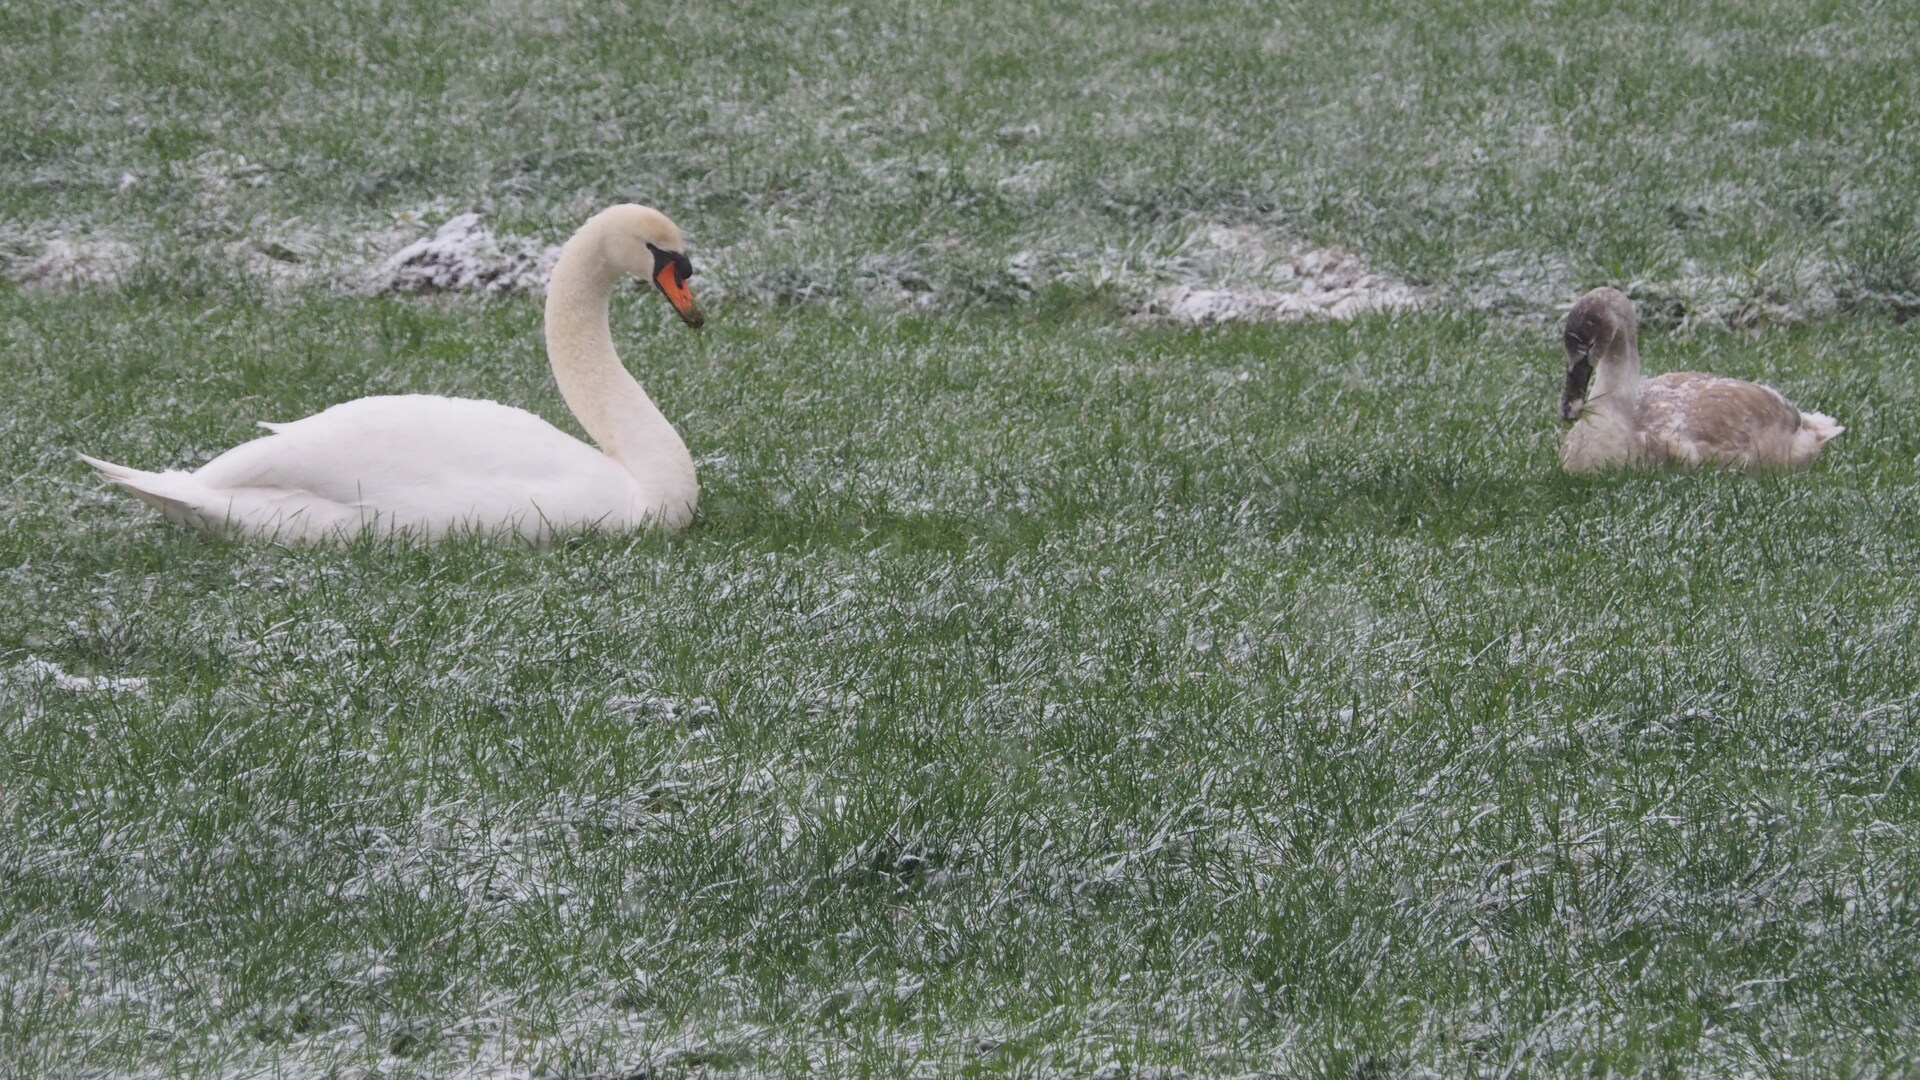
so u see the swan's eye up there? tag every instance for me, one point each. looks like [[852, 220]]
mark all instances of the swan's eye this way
[[671, 269], [675, 261]]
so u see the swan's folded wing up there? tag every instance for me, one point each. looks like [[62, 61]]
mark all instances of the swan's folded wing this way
[[1696, 419], [426, 459]]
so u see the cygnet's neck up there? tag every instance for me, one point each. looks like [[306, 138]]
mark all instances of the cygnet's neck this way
[[609, 403], [1616, 378]]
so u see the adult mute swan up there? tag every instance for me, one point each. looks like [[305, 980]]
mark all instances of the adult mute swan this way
[[426, 465], [1682, 418]]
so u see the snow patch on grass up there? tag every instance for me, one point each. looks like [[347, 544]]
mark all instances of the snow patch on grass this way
[[86, 262], [1779, 291], [1517, 282], [1241, 275], [464, 255], [1216, 274], [35, 670]]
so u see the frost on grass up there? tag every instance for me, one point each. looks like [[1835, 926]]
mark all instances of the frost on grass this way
[[1215, 274], [464, 255], [1250, 275], [86, 262], [26, 689], [35, 670], [1518, 282], [1780, 290]]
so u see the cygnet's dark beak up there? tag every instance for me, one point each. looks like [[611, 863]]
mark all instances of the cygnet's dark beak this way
[[1581, 334], [1573, 394]]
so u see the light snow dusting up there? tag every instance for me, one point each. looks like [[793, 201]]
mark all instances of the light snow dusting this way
[[464, 255], [1222, 274], [1247, 275], [35, 670], [81, 262], [1216, 274]]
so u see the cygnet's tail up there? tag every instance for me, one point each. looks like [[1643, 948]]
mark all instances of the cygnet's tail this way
[[1815, 430], [175, 494], [1821, 426]]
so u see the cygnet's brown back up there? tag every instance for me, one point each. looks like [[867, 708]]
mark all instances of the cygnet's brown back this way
[[1692, 418]]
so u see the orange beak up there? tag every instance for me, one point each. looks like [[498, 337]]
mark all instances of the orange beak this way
[[674, 288]]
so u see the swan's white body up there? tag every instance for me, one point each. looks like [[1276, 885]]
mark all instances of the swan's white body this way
[[1683, 418], [430, 465]]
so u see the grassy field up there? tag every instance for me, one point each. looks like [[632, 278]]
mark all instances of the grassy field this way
[[1042, 691], [1710, 156]]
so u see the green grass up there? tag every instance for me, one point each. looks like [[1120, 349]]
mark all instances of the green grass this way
[[1508, 154], [1039, 693], [1032, 695]]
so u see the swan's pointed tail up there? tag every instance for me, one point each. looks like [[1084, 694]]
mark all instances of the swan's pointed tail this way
[[175, 494]]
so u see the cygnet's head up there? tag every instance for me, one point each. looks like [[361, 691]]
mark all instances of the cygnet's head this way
[[1600, 320], [641, 240]]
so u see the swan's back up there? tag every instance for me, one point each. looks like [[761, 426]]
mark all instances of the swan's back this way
[[460, 451], [1691, 418]]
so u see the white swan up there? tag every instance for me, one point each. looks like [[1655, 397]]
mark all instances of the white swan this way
[[1682, 418], [429, 465]]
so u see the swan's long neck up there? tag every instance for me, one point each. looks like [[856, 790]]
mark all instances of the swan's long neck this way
[[609, 403], [1616, 379]]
